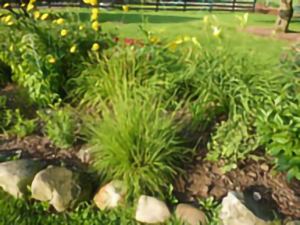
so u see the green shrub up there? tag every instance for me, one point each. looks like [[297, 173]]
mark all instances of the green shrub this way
[[60, 127], [137, 143]]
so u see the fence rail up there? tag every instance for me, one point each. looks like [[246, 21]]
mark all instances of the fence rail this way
[[157, 5]]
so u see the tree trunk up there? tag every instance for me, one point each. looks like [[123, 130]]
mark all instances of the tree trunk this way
[[285, 14]]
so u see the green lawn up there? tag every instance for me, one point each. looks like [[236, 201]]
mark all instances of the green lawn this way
[[191, 24]]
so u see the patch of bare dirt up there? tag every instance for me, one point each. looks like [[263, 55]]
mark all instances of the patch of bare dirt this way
[[267, 32]]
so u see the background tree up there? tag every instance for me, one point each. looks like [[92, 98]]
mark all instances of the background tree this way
[[285, 14]]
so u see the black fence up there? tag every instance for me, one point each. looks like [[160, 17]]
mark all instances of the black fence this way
[[152, 5]]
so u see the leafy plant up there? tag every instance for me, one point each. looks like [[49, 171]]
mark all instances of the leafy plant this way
[[137, 143], [60, 127], [212, 208]]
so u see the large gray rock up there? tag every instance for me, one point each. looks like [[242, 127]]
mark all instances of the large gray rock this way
[[234, 212], [151, 210], [63, 188], [190, 215], [15, 176]]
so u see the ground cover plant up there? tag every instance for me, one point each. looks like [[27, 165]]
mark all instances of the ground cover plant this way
[[142, 104]]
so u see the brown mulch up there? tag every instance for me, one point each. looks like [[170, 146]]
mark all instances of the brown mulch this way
[[206, 179], [267, 32], [40, 148]]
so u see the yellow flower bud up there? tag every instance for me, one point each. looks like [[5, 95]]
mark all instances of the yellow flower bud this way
[[60, 21], [44, 16], [10, 23], [30, 6], [6, 5], [23, 5], [54, 21], [37, 15], [95, 11], [7, 18], [52, 60], [11, 48], [94, 17], [81, 27], [86, 1], [93, 2], [95, 47], [125, 8], [206, 20], [186, 38], [95, 25], [73, 49], [63, 32]]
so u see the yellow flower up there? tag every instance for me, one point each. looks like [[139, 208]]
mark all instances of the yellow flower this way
[[206, 20], [93, 2], [52, 60], [217, 31], [32, 1], [11, 48], [125, 8], [95, 11], [54, 21], [8, 18], [195, 41], [179, 40], [154, 39], [44, 16], [186, 38], [10, 23], [94, 17], [86, 1], [95, 25], [6, 5], [37, 15], [60, 21], [95, 47], [23, 5], [81, 27], [63, 32], [73, 49], [30, 6], [171, 45]]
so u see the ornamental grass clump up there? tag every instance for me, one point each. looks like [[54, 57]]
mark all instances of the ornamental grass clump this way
[[137, 143]]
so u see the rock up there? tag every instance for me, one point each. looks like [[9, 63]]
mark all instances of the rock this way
[[110, 195], [256, 196], [151, 210], [15, 176], [190, 215], [85, 155], [285, 14], [234, 212], [264, 167], [63, 188]]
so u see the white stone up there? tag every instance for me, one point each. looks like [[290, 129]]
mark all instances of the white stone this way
[[151, 210], [190, 214], [234, 212], [110, 195], [63, 188]]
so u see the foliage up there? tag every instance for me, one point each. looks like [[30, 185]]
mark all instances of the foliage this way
[[137, 143], [60, 126], [212, 208]]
